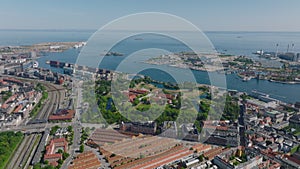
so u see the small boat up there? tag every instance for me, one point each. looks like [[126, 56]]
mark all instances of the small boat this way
[[35, 64], [245, 79]]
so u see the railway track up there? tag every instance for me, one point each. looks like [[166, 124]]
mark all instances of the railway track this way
[[18, 152], [28, 152], [23, 152], [45, 107], [52, 103]]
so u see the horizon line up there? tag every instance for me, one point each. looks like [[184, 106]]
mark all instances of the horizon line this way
[[94, 30]]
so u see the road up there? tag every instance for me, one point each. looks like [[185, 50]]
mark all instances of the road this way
[[76, 125], [34, 128], [242, 125]]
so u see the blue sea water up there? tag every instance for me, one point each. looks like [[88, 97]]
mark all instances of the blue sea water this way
[[237, 43], [29, 37]]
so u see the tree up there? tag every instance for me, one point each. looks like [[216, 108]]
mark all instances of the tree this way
[[49, 167], [54, 129], [70, 128], [6, 95], [201, 158], [65, 155], [60, 161], [135, 102], [81, 148], [37, 166], [58, 166], [87, 130], [268, 142], [60, 151], [231, 109]]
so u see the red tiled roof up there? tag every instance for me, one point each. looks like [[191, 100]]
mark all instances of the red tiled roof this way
[[30, 94], [201, 147], [86, 160], [159, 159], [213, 152], [164, 160], [70, 114], [4, 106], [138, 91], [57, 140], [18, 108], [11, 98], [166, 96], [132, 97], [54, 143], [54, 163], [13, 80], [52, 156], [224, 128]]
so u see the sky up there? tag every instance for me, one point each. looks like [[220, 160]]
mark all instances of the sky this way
[[208, 15]]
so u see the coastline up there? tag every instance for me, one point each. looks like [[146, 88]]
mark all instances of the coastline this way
[[214, 69], [289, 82], [202, 69]]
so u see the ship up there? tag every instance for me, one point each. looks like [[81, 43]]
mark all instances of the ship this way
[[35, 64], [112, 54], [259, 52], [245, 79], [56, 63]]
